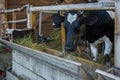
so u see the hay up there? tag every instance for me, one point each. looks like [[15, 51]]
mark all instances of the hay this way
[[27, 41], [56, 42]]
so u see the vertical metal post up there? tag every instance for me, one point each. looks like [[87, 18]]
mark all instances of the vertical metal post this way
[[117, 32], [40, 23], [28, 17]]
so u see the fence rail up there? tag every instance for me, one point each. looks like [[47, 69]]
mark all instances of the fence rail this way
[[85, 6], [14, 10], [16, 21]]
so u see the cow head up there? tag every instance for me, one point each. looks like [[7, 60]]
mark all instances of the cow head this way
[[71, 24], [73, 21], [57, 20]]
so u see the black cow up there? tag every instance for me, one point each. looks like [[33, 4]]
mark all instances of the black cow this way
[[99, 28]]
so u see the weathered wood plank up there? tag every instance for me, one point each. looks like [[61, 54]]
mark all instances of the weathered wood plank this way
[[34, 25], [14, 18], [3, 17], [89, 6], [63, 36]]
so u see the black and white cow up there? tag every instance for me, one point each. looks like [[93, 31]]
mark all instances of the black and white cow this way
[[99, 28]]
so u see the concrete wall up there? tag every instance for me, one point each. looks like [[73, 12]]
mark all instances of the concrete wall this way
[[35, 65], [33, 68]]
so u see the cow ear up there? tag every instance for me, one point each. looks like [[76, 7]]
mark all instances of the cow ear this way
[[61, 13], [81, 12], [91, 20]]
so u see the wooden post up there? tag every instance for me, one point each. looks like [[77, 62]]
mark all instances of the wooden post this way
[[14, 18], [34, 24], [117, 34], [4, 19], [2, 6], [63, 36]]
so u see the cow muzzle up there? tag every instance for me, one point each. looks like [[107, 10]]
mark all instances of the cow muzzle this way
[[69, 48]]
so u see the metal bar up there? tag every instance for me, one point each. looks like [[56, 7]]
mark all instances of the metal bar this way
[[107, 74], [117, 37], [28, 16], [40, 23], [84, 6], [14, 10], [16, 21]]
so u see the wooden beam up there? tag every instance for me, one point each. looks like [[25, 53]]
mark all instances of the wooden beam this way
[[14, 18], [84, 6], [34, 24], [117, 34], [4, 18], [2, 6], [63, 36]]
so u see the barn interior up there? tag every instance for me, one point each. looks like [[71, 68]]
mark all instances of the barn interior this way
[[40, 33]]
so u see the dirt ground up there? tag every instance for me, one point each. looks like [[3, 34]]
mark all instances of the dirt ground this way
[[5, 62]]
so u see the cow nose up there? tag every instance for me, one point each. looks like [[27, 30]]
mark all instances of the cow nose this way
[[68, 48]]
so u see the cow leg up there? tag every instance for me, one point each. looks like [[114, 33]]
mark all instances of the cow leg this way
[[108, 49], [94, 51]]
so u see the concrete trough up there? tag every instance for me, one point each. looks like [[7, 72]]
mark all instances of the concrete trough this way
[[30, 64]]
